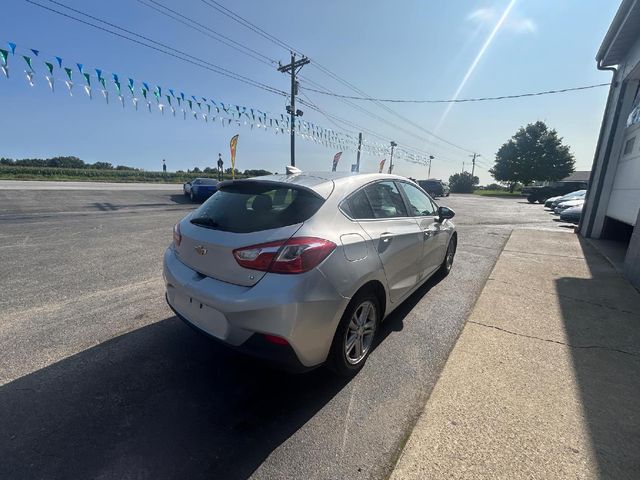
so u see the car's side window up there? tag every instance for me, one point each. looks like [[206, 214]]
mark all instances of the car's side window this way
[[420, 205], [385, 200], [358, 206]]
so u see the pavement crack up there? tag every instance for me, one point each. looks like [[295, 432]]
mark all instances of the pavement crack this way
[[558, 342], [545, 254], [575, 299]]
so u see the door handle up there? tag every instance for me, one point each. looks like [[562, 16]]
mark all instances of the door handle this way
[[386, 237]]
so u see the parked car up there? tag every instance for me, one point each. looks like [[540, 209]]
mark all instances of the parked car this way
[[578, 194], [541, 193], [567, 204], [301, 269], [200, 189], [572, 214], [549, 201], [434, 187], [446, 189]]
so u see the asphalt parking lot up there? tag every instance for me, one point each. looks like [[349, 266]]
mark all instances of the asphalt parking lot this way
[[98, 379]]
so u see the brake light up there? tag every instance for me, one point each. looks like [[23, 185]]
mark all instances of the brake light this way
[[275, 340], [177, 235], [296, 255]]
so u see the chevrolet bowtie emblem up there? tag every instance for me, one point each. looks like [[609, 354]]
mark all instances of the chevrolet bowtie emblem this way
[[200, 250]]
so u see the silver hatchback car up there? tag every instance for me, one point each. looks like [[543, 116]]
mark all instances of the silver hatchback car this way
[[302, 268]]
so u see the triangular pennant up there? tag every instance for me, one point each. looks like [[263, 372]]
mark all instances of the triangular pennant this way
[[69, 85], [49, 67], [4, 54], [12, 47], [87, 78], [69, 72], [80, 68], [135, 102], [29, 77], [87, 88], [50, 81], [5, 70], [105, 94], [35, 52], [59, 60], [28, 60]]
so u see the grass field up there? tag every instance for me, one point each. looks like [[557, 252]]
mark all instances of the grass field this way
[[95, 175], [497, 193]]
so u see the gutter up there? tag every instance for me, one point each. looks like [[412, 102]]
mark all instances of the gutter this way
[[594, 195]]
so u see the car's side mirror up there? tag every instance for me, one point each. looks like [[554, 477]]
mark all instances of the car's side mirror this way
[[445, 213]]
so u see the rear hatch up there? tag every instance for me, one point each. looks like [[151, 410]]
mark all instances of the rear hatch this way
[[242, 214]]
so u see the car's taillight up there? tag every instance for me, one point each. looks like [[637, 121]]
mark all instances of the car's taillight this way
[[296, 255], [177, 236]]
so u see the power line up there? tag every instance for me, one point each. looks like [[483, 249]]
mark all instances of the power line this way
[[247, 24], [461, 100], [251, 26], [157, 46], [208, 31], [379, 118]]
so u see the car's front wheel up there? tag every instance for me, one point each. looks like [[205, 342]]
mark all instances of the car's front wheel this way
[[354, 337], [447, 263], [193, 196], [531, 199]]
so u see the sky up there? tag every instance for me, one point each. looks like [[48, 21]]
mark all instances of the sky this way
[[409, 49]]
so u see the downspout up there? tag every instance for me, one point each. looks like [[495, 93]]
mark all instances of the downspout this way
[[593, 196]]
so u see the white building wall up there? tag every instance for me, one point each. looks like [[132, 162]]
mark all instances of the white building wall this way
[[624, 200]]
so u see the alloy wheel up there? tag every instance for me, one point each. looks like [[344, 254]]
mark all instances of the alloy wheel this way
[[360, 332]]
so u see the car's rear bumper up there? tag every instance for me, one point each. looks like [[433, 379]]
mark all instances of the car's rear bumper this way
[[302, 309]]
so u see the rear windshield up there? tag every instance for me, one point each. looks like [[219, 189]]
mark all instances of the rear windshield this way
[[253, 206], [428, 183]]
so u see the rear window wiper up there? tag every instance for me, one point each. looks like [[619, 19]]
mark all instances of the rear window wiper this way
[[205, 222]]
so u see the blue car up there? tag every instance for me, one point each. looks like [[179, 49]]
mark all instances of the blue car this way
[[200, 189]]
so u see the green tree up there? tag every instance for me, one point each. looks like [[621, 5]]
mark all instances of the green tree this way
[[256, 173], [102, 165], [463, 182], [535, 152]]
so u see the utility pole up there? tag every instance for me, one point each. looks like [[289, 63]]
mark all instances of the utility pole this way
[[462, 167], [293, 68], [431, 157], [359, 148], [393, 145], [473, 162]]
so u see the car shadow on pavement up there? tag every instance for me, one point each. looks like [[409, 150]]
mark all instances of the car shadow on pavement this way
[[180, 199], [601, 318], [160, 402]]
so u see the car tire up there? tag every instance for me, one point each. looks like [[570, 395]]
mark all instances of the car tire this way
[[193, 197], [532, 199], [449, 256], [347, 360]]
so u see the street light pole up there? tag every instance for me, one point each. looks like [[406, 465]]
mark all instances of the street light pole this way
[[431, 157], [393, 145]]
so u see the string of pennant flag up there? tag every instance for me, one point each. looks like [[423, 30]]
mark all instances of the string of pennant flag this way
[[139, 94]]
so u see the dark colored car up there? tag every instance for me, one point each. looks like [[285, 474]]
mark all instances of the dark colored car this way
[[572, 214], [541, 193], [434, 187], [201, 188]]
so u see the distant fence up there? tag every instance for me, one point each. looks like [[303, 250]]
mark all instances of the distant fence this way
[[92, 174]]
